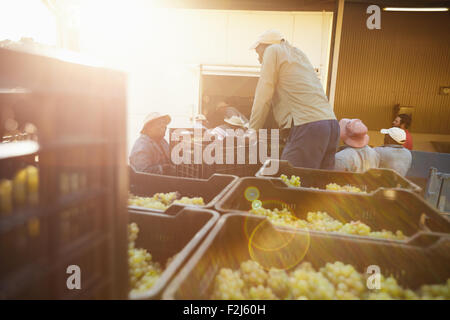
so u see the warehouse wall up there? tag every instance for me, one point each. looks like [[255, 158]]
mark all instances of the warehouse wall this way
[[405, 62]]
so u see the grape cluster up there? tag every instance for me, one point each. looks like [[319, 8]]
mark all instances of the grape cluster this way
[[435, 291], [198, 201], [334, 281], [161, 201], [143, 272], [346, 188], [321, 221], [294, 181]]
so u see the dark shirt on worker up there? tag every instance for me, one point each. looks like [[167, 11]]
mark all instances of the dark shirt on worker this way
[[149, 155]]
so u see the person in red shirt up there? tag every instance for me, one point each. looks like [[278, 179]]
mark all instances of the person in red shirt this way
[[403, 121]]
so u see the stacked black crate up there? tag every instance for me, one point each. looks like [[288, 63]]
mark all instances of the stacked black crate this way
[[77, 113]]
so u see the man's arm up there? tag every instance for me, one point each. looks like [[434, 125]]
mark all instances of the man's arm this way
[[264, 89]]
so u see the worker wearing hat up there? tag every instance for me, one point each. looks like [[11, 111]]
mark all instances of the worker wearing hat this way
[[289, 87], [231, 123], [200, 122], [392, 154], [151, 151], [356, 156]]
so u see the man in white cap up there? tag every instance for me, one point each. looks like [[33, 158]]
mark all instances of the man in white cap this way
[[392, 154], [151, 151], [288, 85]]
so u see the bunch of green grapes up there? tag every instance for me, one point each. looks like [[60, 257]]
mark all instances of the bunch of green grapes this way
[[384, 234], [146, 202], [435, 291], [294, 181], [349, 284], [228, 285], [198, 201], [322, 221], [278, 282], [261, 292], [161, 201], [346, 188], [391, 290], [356, 228], [334, 281], [252, 273], [143, 272], [310, 285], [281, 217], [166, 198]]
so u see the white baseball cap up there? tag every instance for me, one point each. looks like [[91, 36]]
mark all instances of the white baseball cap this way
[[397, 134], [271, 36]]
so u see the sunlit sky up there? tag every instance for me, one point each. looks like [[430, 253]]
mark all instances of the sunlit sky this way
[[27, 18], [160, 49]]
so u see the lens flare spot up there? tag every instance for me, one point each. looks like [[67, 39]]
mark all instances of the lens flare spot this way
[[251, 193], [256, 204]]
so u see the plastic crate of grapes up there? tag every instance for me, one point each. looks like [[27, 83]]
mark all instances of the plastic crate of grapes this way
[[170, 239], [147, 185], [368, 181], [238, 238], [384, 215]]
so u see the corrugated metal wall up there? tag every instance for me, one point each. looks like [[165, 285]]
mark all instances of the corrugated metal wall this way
[[405, 62]]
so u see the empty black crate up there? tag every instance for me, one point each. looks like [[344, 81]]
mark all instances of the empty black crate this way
[[368, 181], [389, 209], [211, 190], [238, 237], [237, 158], [166, 235]]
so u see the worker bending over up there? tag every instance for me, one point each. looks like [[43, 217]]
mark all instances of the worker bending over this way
[[289, 87]]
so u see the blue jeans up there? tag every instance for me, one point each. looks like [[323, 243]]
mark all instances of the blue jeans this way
[[313, 145]]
